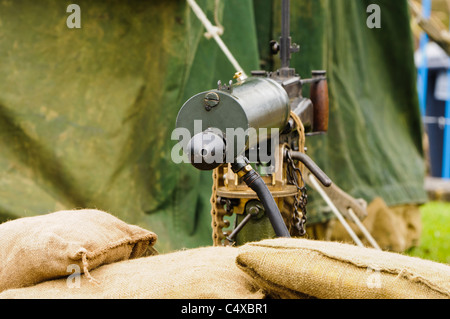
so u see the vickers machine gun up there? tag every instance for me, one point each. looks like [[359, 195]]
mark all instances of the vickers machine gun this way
[[251, 134]]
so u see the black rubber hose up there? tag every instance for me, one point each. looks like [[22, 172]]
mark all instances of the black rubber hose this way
[[257, 184]]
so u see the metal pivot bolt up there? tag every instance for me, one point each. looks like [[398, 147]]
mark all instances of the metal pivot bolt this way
[[253, 209], [211, 100]]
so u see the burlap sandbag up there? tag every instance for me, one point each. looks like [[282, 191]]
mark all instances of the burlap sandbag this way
[[34, 249], [292, 268], [201, 273]]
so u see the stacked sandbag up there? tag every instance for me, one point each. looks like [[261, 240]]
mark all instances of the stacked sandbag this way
[[201, 273], [45, 247], [92, 254], [299, 268]]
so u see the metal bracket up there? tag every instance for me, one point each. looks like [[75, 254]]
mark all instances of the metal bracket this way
[[225, 88]]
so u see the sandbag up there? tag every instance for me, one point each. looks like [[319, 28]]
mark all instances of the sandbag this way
[[201, 273], [38, 248], [295, 268]]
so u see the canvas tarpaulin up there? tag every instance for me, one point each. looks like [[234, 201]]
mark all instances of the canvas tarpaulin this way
[[374, 144], [86, 115]]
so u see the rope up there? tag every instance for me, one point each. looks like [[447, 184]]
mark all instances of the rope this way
[[83, 253], [215, 32]]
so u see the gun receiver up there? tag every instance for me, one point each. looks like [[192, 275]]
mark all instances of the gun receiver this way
[[251, 116]]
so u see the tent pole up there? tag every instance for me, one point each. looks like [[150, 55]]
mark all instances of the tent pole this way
[[335, 210]]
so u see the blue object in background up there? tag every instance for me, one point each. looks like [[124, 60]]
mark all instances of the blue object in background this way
[[446, 146], [440, 165], [446, 151], [422, 78]]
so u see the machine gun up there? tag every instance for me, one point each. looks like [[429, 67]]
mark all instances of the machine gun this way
[[251, 134]]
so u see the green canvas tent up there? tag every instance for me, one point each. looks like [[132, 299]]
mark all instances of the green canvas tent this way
[[86, 114]]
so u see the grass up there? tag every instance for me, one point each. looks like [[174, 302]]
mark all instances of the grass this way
[[435, 239]]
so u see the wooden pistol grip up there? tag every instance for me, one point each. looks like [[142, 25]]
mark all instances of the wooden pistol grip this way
[[319, 98]]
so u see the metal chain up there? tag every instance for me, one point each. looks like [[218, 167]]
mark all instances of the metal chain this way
[[299, 203], [293, 173]]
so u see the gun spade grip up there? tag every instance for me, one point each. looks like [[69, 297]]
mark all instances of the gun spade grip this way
[[319, 97]]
